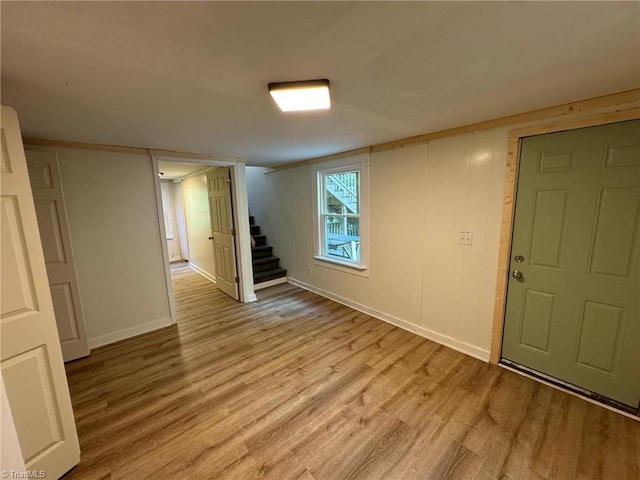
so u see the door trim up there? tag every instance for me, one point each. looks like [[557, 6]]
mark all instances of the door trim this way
[[506, 232], [163, 237]]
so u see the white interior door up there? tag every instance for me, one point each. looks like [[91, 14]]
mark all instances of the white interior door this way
[[58, 253], [222, 232], [30, 354]]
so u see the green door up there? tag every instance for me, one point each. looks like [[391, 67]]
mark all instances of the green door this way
[[573, 302]]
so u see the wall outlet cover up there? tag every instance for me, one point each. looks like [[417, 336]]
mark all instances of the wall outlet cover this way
[[465, 238]]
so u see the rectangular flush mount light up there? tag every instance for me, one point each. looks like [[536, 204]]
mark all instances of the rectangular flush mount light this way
[[298, 96]]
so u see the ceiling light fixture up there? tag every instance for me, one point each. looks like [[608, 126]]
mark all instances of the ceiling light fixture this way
[[300, 96]]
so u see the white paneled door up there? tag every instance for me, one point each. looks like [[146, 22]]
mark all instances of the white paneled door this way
[[573, 304], [30, 354], [58, 254], [222, 231]]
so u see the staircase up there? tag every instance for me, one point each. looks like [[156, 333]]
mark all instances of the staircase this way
[[266, 267]]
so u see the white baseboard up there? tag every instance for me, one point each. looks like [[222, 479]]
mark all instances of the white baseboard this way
[[466, 348], [129, 332], [202, 272], [270, 283], [251, 298]]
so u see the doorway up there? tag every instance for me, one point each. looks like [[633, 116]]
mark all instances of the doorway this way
[[573, 306], [191, 228]]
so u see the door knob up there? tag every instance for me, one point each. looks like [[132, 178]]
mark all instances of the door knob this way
[[210, 238], [517, 274]]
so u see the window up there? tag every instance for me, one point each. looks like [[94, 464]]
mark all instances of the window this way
[[341, 213]]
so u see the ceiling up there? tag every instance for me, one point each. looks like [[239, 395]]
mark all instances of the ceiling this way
[[193, 76], [173, 170]]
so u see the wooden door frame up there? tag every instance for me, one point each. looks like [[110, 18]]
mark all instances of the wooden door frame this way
[[506, 233]]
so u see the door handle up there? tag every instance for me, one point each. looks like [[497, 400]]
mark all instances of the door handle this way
[[517, 274], [210, 238]]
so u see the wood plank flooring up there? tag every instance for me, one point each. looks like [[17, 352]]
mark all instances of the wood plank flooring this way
[[295, 386]]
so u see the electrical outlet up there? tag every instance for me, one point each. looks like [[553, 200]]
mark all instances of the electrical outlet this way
[[465, 238]]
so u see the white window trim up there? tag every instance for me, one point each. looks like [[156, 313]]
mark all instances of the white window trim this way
[[360, 162]]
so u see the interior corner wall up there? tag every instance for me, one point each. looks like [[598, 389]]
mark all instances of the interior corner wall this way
[[420, 197], [255, 194], [111, 207], [419, 276], [196, 212]]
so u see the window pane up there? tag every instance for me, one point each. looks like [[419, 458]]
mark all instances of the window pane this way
[[341, 193], [342, 237]]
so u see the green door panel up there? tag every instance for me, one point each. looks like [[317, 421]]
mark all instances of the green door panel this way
[[575, 313]]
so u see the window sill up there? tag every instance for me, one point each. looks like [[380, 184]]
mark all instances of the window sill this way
[[361, 270]]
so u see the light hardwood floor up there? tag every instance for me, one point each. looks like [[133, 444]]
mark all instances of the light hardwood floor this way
[[295, 386]]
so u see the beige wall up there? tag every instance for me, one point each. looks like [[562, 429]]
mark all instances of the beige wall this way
[[111, 207], [421, 197], [257, 189], [196, 210]]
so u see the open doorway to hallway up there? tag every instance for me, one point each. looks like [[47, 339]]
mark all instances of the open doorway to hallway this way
[[185, 212], [173, 208], [203, 223]]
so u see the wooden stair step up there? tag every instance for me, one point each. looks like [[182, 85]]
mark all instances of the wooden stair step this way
[[260, 239], [261, 251], [269, 275], [265, 263]]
